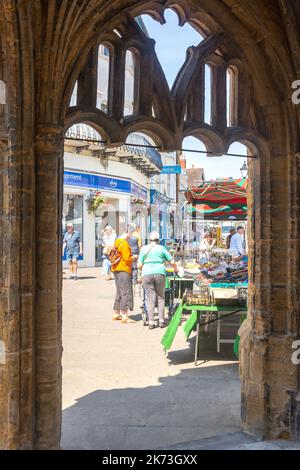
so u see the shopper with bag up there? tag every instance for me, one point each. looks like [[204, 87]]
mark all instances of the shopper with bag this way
[[121, 258], [152, 260]]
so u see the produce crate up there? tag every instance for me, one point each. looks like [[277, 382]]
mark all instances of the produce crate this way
[[242, 295], [201, 297], [181, 285], [226, 297]]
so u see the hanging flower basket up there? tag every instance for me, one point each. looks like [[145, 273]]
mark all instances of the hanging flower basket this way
[[138, 201], [95, 201]]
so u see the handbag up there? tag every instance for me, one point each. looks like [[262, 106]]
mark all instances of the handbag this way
[[113, 254]]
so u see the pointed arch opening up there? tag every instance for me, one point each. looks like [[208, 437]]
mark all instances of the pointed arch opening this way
[[208, 83], [232, 94], [73, 101], [132, 82], [103, 76]]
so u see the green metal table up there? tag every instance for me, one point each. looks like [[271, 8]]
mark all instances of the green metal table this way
[[195, 320]]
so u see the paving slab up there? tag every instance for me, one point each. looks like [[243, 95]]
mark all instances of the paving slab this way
[[235, 441], [120, 391]]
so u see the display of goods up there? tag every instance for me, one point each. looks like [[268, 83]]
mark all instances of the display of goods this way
[[201, 297], [225, 297], [192, 266], [181, 285], [242, 295]]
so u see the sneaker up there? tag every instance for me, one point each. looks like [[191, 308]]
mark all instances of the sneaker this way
[[151, 327], [162, 325], [117, 317], [71, 277]]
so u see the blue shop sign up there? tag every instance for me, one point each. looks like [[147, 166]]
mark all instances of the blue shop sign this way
[[157, 197], [171, 170], [139, 192], [86, 180]]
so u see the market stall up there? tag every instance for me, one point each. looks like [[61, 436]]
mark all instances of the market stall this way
[[220, 279], [220, 193]]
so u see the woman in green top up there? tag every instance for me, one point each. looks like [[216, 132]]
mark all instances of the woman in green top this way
[[152, 261]]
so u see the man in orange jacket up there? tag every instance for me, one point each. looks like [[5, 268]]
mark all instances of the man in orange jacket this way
[[122, 271]]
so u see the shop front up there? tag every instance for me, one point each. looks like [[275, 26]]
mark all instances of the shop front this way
[[124, 202], [161, 216]]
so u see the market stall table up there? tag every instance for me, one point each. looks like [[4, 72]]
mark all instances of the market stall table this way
[[195, 320]]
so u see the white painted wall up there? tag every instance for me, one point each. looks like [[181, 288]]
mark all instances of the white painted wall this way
[[87, 163]]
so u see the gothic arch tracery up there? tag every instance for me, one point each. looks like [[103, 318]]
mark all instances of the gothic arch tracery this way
[[179, 111]]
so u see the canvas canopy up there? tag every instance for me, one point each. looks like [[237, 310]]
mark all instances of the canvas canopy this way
[[222, 193]]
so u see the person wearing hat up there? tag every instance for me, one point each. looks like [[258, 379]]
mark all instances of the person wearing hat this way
[[73, 246], [152, 260]]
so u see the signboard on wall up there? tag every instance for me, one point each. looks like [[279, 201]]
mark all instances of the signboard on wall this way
[[171, 170], [139, 192], [105, 183], [92, 181]]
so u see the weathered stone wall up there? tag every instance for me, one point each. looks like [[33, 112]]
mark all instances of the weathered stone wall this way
[[44, 47]]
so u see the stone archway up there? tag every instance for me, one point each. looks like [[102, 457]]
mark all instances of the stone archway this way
[[44, 48]]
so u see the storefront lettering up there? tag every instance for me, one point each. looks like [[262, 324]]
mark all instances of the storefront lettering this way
[[99, 182], [113, 184]]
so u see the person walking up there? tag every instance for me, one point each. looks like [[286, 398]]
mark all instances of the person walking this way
[[73, 246], [108, 240], [152, 260], [121, 259]]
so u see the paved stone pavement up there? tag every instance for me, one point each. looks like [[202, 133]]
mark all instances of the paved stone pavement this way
[[120, 391], [235, 441]]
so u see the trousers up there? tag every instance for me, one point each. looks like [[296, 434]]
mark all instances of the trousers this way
[[124, 292], [154, 285]]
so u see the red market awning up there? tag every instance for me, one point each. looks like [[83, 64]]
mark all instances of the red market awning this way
[[220, 213], [220, 193]]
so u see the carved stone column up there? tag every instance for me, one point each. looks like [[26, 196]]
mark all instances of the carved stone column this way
[[270, 379], [48, 305]]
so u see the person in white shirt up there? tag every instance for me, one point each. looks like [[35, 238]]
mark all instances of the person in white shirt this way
[[108, 240], [237, 243], [206, 246]]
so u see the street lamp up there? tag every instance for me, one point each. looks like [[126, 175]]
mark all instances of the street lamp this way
[[244, 170]]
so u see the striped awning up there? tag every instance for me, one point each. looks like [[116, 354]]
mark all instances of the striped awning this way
[[220, 193]]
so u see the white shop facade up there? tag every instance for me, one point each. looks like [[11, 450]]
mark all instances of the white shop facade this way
[[126, 194]]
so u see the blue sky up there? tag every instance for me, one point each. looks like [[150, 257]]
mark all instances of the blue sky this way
[[172, 42]]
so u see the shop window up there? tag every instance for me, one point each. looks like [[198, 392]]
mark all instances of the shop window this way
[[73, 212]]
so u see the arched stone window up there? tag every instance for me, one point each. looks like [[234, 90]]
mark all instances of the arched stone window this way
[[103, 76], [131, 90], [208, 94], [232, 77], [2, 92], [73, 101]]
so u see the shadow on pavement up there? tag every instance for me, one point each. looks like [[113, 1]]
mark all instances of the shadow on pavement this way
[[194, 404], [80, 278]]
